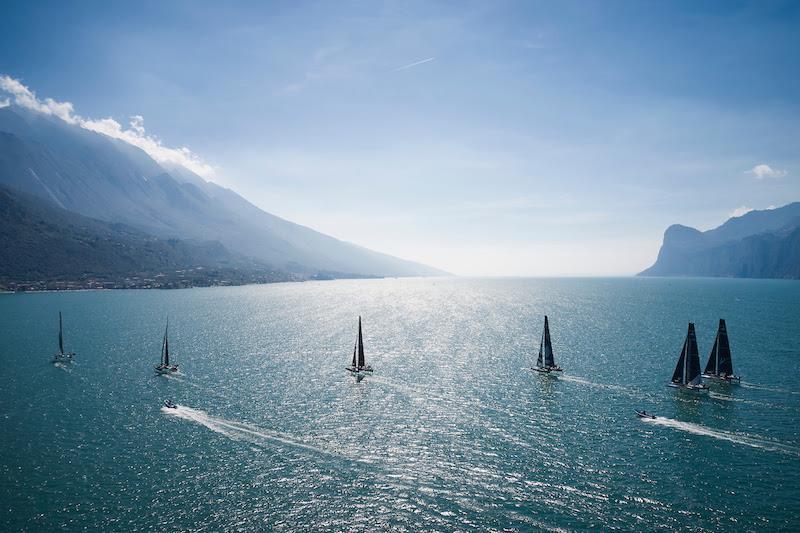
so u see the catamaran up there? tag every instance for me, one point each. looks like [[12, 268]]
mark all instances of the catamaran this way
[[546, 362], [720, 364], [164, 367], [687, 371], [61, 356], [359, 365]]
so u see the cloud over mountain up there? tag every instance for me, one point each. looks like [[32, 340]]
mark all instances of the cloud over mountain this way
[[135, 134]]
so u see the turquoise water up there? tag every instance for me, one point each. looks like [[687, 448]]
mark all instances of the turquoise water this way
[[453, 431]]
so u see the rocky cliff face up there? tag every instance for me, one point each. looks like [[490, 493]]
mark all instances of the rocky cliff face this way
[[759, 244]]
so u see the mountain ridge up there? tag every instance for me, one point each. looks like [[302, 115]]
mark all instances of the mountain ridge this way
[[108, 179], [758, 244]]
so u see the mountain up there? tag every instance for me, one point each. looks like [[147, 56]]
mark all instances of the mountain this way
[[759, 244], [46, 242], [110, 180]]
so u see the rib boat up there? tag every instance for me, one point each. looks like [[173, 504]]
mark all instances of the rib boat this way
[[720, 364], [164, 367], [359, 365], [687, 371], [546, 362], [61, 356]]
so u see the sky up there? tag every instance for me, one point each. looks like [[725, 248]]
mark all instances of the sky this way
[[484, 138]]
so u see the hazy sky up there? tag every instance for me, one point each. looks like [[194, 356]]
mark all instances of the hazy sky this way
[[489, 138]]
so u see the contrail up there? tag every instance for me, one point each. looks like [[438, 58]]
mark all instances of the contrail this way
[[414, 64]]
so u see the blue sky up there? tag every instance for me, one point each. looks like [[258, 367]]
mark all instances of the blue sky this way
[[486, 138]]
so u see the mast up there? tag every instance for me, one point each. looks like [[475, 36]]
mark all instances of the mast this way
[[60, 335], [361, 362], [549, 360]]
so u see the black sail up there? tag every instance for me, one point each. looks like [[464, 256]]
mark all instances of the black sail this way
[[165, 347], [549, 360], [166, 350], [355, 352], [60, 335], [361, 362], [711, 366], [724, 350], [677, 376], [693, 357]]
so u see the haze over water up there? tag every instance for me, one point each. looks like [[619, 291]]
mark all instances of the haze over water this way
[[453, 431]]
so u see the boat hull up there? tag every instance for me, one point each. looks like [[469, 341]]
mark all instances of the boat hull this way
[[166, 369], [546, 369], [362, 370], [63, 358], [726, 379], [698, 388]]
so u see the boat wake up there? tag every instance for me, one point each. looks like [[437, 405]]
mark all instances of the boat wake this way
[[619, 388], [62, 366], [243, 431], [748, 385], [727, 398], [697, 429]]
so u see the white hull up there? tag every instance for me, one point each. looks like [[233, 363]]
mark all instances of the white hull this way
[[698, 388], [546, 370], [727, 379], [166, 370], [360, 371]]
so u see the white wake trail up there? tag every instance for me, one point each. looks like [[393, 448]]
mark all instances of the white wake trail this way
[[697, 429], [748, 385], [243, 431]]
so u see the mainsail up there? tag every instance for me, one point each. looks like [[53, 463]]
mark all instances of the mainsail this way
[[546, 359], [549, 360], [165, 347], [60, 335], [360, 347], [719, 360], [687, 371]]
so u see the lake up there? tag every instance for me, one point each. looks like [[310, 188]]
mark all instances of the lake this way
[[453, 430]]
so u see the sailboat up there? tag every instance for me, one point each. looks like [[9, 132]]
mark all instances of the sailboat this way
[[687, 371], [546, 363], [164, 367], [359, 365], [720, 364], [61, 356]]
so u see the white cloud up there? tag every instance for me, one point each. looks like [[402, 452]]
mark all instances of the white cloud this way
[[135, 134], [5, 103], [739, 211], [764, 171]]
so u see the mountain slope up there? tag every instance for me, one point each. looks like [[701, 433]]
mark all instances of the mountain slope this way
[[44, 242], [759, 244], [108, 179]]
